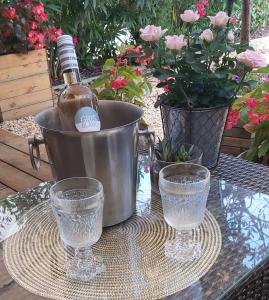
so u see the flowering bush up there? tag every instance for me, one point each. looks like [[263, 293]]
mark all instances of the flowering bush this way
[[122, 81], [253, 110], [202, 66], [25, 27]]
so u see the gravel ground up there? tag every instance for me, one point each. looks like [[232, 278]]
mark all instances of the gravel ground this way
[[26, 127]]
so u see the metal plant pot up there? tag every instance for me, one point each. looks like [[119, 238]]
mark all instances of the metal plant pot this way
[[201, 127]]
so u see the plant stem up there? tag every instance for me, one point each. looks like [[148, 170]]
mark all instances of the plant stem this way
[[189, 103], [240, 84]]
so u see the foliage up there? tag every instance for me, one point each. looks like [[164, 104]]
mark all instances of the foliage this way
[[253, 110], [164, 152], [259, 13], [25, 25], [168, 16], [200, 74], [202, 67], [121, 81], [101, 25]]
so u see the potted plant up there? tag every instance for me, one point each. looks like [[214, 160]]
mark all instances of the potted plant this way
[[165, 155], [253, 110], [121, 80], [201, 70], [25, 30]]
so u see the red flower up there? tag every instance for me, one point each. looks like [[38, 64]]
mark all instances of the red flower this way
[[166, 88], [39, 46], [201, 8], [58, 32], [38, 9], [199, 5], [119, 83], [266, 98], [32, 25], [43, 17], [75, 41], [138, 72], [118, 60], [233, 20], [10, 13], [41, 38], [232, 119], [54, 34], [254, 118], [32, 37], [151, 57], [113, 71], [137, 49], [201, 13], [251, 103], [141, 62]]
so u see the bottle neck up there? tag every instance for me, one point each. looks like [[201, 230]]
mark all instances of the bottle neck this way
[[71, 76]]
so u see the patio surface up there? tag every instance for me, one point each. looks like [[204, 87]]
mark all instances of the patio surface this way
[[17, 173]]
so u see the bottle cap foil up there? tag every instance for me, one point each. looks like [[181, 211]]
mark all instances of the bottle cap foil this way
[[66, 52]]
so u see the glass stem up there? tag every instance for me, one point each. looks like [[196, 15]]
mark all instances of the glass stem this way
[[83, 253], [183, 236]]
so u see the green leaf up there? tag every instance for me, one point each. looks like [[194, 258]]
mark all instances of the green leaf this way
[[109, 64], [163, 74], [107, 94], [99, 82], [243, 114], [264, 70], [127, 74], [263, 149]]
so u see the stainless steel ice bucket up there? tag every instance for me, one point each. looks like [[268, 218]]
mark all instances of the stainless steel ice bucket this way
[[109, 155]]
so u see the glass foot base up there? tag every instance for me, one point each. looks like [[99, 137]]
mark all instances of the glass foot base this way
[[182, 252], [84, 269]]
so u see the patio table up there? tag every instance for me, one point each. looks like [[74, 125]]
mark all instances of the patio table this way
[[240, 205]]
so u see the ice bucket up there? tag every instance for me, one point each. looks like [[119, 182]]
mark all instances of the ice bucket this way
[[109, 155]]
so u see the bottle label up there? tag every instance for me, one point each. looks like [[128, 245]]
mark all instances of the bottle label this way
[[87, 119]]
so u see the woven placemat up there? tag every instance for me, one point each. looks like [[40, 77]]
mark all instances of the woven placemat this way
[[136, 267]]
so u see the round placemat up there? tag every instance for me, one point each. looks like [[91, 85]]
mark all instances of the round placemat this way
[[133, 252]]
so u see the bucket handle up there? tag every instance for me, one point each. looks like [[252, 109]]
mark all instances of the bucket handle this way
[[34, 151], [150, 135]]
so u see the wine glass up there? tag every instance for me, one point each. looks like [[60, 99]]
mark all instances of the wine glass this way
[[184, 189], [77, 205]]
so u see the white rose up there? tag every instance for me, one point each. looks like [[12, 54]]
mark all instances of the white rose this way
[[207, 35], [220, 19], [189, 16], [175, 42], [230, 36], [151, 33]]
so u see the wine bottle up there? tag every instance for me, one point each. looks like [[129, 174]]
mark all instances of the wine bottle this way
[[77, 104]]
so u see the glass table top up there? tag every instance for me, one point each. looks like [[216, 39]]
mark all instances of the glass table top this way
[[243, 217]]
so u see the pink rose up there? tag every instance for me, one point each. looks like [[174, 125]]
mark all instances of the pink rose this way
[[207, 35], [252, 59], [220, 19], [175, 42], [230, 36], [151, 33], [189, 16]]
